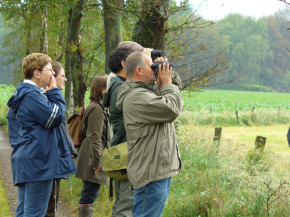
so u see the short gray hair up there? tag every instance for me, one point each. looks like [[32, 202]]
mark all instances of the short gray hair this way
[[133, 60]]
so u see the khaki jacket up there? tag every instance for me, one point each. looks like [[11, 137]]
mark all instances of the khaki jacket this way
[[149, 113], [91, 150]]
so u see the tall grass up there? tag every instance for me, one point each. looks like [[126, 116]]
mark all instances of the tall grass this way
[[227, 181], [261, 117], [233, 179]]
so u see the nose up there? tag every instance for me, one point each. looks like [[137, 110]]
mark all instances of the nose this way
[[52, 72], [65, 79]]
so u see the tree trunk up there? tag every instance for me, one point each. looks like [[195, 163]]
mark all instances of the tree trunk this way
[[74, 59], [150, 29], [112, 25], [28, 37], [58, 55], [43, 37]]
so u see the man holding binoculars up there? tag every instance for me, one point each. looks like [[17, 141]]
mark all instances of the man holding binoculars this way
[[149, 113]]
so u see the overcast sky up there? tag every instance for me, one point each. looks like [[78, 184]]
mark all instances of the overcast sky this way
[[217, 9]]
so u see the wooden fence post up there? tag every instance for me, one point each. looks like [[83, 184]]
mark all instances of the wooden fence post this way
[[254, 116], [237, 115], [210, 110], [253, 110], [279, 110], [260, 142], [217, 136]]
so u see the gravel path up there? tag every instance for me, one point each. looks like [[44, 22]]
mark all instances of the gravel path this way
[[6, 175]]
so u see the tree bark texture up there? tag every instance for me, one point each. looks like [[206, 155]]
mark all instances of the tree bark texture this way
[[28, 37], [112, 24], [151, 27], [74, 58], [43, 37]]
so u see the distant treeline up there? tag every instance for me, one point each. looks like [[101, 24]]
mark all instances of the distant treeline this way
[[258, 51], [255, 51]]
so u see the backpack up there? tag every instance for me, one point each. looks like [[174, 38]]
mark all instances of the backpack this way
[[74, 128]]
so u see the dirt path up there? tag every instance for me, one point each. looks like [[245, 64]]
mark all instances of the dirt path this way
[[6, 175]]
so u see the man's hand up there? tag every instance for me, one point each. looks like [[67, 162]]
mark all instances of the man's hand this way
[[52, 83], [164, 73]]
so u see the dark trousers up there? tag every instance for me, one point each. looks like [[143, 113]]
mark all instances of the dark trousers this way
[[90, 192], [52, 203]]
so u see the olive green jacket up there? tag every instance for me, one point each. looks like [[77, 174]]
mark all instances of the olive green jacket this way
[[97, 138], [149, 113]]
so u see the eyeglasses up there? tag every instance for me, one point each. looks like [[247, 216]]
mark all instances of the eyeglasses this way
[[51, 70]]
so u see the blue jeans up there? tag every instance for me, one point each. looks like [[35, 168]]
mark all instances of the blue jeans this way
[[33, 198], [90, 192], [150, 199]]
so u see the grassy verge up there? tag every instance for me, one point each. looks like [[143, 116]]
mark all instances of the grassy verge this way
[[5, 209], [103, 206], [233, 180]]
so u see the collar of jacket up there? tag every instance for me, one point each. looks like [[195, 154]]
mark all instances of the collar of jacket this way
[[150, 85]]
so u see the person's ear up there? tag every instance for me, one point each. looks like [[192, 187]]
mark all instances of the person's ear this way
[[139, 70], [36, 73], [123, 63]]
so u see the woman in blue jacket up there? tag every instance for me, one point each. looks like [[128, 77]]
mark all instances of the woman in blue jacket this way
[[40, 152]]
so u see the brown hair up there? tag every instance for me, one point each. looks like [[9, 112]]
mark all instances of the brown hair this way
[[98, 84], [56, 67], [34, 61]]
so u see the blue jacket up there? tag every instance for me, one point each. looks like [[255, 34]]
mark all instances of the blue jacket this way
[[40, 151]]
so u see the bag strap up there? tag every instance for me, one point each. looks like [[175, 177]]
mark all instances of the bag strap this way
[[105, 110]]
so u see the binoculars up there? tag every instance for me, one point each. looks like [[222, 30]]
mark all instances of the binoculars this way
[[157, 63], [155, 54]]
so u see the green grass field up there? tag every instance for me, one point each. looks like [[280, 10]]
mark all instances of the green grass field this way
[[230, 100]]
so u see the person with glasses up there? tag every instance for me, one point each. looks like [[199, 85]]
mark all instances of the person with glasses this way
[[40, 151], [60, 80]]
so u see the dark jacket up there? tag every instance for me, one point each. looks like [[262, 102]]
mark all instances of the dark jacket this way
[[40, 151], [95, 126], [116, 115]]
